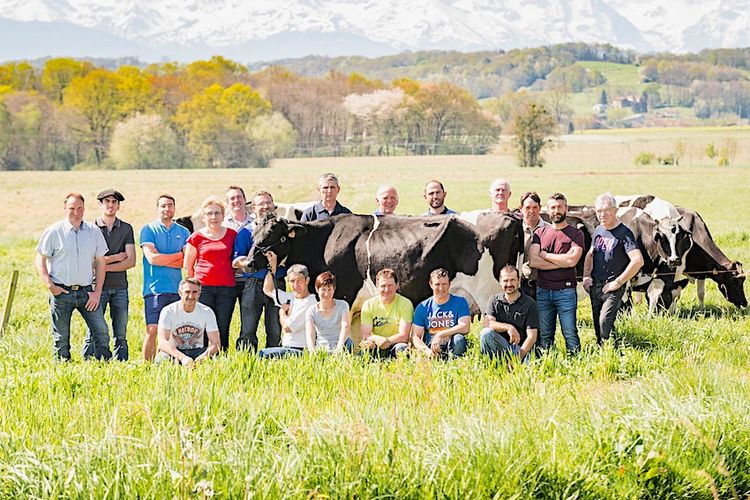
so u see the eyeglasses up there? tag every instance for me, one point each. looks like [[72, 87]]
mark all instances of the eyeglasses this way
[[212, 213]]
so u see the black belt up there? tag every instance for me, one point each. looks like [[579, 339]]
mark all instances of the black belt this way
[[74, 288]]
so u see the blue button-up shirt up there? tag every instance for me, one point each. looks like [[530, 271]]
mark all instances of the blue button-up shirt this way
[[71, 253]]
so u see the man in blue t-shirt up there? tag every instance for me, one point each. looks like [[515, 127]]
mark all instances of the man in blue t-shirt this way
[[612, 260], [162, 242], [441, 321], [254, 301]]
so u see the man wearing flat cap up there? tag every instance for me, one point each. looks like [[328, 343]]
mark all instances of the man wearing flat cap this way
[[120, 257]]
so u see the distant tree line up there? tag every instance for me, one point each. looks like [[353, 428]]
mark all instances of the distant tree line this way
[[217, 113]]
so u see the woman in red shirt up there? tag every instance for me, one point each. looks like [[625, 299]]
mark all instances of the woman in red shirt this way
[[208, 257]]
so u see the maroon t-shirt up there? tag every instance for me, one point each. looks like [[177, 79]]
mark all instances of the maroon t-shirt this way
[[557, 241]]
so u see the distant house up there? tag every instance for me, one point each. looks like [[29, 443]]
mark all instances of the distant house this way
[[634, 121], [600, 108]]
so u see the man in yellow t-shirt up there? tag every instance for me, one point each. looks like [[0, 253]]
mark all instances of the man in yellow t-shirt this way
[[386, 318]]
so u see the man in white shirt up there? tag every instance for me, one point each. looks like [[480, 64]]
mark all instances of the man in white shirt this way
[[184, 325], [70, 261]]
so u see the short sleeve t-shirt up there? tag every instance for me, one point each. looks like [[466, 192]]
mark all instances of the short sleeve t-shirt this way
[[611, 247], [434, 317], [557, 241], [120, 236], [213, 265], [328, 329], [166, 240], [297, 315], [188, 328], [522, 313], [385, 318]]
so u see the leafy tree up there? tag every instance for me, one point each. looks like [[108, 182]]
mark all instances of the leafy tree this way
[[97, 98], [145, 141], [272, 136], [18, 76], [213, 124], [533, 125], [57, 75]]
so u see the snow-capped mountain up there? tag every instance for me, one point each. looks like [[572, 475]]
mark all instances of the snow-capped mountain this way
[[264, 29]]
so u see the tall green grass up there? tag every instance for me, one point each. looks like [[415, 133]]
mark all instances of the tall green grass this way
[[662, 415]]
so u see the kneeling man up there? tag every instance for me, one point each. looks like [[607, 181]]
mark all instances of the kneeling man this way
[[511, 320], [184, 325], [386, 318], [441, 321]]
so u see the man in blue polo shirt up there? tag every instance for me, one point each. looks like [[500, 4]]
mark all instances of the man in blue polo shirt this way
[[328, 206], [254, 301], [162, 242]]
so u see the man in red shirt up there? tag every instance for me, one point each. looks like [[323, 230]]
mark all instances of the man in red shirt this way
[[555, 251]]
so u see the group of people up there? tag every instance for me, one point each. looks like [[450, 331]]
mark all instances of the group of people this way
[[188, 317]]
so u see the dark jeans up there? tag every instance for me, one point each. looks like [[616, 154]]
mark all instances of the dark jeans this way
[[221, 301], [61, 310], [254, 301], [494, 345], [117, 300], [553, 304], [529, 288], [389, 352], [455, 347], [604, 308], [280, 352]]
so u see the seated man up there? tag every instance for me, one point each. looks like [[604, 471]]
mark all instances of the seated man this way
[[386, 318], [184, 325], [441, 321], [511, 320], [292, 308]]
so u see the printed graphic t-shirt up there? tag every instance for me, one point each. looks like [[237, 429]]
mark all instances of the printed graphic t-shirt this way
[[385, 318], [188, 328]]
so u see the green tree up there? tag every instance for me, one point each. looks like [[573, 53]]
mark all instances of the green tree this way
[[272, 136], [145, 141], [532, 127], [97, 98], [213, 124], [57, 75]]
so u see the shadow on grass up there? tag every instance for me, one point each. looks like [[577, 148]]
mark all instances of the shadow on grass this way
[[712, 311]]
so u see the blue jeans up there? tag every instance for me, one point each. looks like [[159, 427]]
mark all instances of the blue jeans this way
[[117, 299], [494, 345], [221, 301], [61, 310], [553, 304], [254, 301], [455, 347]]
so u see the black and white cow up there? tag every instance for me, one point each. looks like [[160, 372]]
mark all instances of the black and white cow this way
[[706, 260], [657, 278], [356, 247]]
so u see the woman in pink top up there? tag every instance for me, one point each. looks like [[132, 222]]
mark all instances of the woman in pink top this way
[[208, 257]]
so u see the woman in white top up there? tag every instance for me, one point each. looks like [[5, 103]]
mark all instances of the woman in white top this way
[[328, 323], [293, 308]]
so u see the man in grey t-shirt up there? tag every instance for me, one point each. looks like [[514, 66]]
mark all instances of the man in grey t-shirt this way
[[121, 256]]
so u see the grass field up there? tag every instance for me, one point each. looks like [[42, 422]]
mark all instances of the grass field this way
[[664, 416]]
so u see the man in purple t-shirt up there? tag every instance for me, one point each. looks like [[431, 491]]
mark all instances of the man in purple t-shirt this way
[[555, 251]]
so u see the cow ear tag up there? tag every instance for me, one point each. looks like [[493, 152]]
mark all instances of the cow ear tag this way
[[291, 235]]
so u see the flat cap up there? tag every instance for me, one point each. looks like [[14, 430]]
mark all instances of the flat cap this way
[[110, 192]]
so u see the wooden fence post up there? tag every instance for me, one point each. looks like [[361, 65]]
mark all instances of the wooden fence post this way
[[9, 301]]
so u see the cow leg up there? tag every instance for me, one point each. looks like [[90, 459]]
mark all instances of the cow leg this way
[[637, 297], [654, 292], [700, 289]]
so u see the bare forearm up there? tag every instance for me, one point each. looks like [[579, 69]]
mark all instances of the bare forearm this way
[[588, 265], [538, 262], [563, 260]]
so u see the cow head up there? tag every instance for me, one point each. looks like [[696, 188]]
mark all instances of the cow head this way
[[732, 286], [672, 241], [272, 234]]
